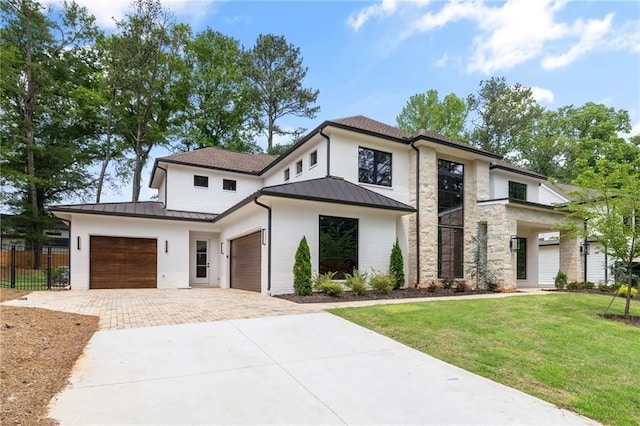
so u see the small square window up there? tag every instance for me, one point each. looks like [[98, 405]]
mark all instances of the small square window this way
[[201, 181], [517, 191], [228, 185], [299, 167], [313, 159], [286, 174]]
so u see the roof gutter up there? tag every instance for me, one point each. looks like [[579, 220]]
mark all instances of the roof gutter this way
[[255, 200], [328, 151], [417, 211]]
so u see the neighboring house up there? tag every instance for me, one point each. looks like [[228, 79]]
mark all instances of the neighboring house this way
[[57, 236], [352, 186]]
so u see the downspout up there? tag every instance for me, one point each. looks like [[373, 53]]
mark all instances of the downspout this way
[[417, 211], [255, 200], [585, 253], [166, 183], [328, 152]]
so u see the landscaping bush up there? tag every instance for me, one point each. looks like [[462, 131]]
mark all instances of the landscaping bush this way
[[327, 285], [396, 266], [381, 283], [447, 284], [573, 285], [433, 287], [302, 269], [607, 288], [588, 285], [622, 291], [356, 282], [560, 281], [462, 287]]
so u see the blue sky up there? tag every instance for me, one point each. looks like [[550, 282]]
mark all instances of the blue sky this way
[[369, 57]]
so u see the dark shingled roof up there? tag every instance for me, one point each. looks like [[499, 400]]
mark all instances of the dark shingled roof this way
[[218, 158], [147, 209], [360, 122], [335, 190]]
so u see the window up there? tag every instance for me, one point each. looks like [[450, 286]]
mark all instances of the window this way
[[313, 159], [374, 167], [450, 219], [338, 245], [228, 185], [517, 191], [299, 167], [201, 181], [521, 259], [286, 174]]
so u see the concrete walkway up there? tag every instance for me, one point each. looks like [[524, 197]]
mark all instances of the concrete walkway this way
[[133, 308], [301, 369]]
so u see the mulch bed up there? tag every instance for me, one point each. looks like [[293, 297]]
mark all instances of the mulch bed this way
[[39, 349], [407, 293], [632, 320]]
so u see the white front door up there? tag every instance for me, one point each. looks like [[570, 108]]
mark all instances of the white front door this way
[[202, 262]]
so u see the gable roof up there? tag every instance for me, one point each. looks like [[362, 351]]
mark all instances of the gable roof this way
[[145, 209], [501, 164], [328, 189], [222, 159], [368, 125]]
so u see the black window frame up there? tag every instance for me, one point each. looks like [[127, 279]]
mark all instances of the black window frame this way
[[517, 191], [299, 167], [313, 158], [287, 174], [201, 181], [450, 219], [348, 262], [521, 259], [229, 184], [372, 175]]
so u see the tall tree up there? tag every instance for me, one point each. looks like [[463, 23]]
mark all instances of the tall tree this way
[[155, 85], [609, 200], [275, 68], [222, 109], [48, 108], [502, 117], [427, 111]]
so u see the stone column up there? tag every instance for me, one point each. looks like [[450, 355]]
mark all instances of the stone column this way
[[570, 261], [412, 276], [501, 261], [428, 232]]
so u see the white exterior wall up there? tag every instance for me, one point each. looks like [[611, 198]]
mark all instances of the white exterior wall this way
[[173, 266], [548, 196], [213, 260], [293, 220], [548, 264], [532, 260], [183, 195], [499, 185], [161, 191], [319, 170], [344, 162], [249, 219]]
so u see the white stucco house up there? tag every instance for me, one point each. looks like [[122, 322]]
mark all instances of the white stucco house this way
[[351, 186]]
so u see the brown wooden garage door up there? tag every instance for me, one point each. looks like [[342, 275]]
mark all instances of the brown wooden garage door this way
[[123, 262], [246, 254]]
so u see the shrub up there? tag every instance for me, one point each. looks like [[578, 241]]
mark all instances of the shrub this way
[[462, 287], [356, 282], [560, 281], [573, 285], [433, 287], [302, 269], [622, 291], [447, 284], [396, 266], [381, 283], [588, 285], [327, 285], [606, 288]]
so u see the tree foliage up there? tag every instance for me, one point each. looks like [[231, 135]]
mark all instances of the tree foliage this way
[[48, 109], [608, 199], [396, 266], [427, 111], [302, 280], [276, 71]]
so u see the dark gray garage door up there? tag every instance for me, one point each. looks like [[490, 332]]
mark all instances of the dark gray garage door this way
[[246, 256], [116, 262]]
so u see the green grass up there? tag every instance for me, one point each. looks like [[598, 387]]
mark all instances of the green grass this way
[[554, 347], [27, 280]]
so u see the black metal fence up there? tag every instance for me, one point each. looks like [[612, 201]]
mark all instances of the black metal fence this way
[[28, 269]]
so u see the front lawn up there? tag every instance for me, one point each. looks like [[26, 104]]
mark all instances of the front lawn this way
[[554, 347]]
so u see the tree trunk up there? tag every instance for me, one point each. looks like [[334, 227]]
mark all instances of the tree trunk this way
[[137, 171], [107, 155], [627, 305], [270, 135]]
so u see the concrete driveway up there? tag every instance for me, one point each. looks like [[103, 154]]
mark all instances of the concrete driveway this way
[[296, 369]]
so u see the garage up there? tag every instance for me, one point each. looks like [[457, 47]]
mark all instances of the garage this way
[[116, 262], [246, 262]]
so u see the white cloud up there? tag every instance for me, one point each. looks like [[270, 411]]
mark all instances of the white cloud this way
[[542, 95], [442, 61], [385, 8], [107, 12], [514, 32]]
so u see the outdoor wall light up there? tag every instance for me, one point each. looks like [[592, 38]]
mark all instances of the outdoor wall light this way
[[264, 237], [78, 242], [585, 249], [222, 248], [514, 243], [166, 246]]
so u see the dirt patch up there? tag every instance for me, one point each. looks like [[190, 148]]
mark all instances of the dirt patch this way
[[406, 293], [39, 349], [631, 320]]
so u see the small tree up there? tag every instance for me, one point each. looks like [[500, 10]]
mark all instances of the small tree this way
[[396, 266], [302, 269]]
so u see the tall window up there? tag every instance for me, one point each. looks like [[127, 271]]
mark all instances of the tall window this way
[[517, 191], [521, 259], [374, 167], [338, 251], [313, 159], [286, 174], [299, 167], [450, 219]]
